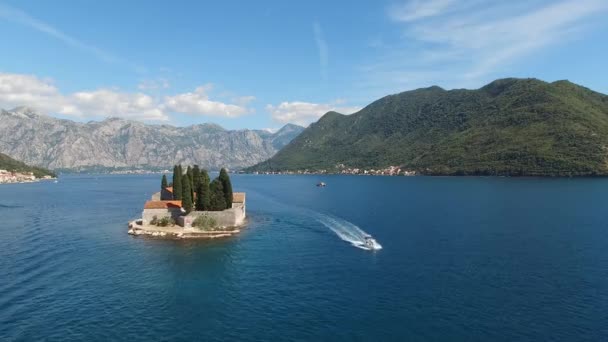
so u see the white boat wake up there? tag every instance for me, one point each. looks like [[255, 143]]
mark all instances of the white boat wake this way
[[349, 232]]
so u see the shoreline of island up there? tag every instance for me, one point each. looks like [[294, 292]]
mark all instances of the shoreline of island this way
[[192, 207], [137, 228]]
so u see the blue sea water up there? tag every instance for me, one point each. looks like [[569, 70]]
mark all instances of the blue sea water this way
[[464, 259]]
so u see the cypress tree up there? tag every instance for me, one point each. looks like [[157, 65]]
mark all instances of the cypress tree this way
[[203, 192], [207, 180], [174, 173], [217, 201], [196, 177], [189, 173], [205, 175], [163, 182], [187, 194], [177, 182], [227, 187], [190, 180]]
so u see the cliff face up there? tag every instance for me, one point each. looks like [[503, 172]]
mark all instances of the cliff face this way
[[62, 144]]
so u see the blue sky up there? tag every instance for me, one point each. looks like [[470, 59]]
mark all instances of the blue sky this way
[[261, 64]]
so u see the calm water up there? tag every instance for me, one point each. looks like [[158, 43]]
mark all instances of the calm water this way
[[488, 259]]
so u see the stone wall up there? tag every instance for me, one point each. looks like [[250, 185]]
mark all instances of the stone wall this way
[[148, 214], [233, 217]]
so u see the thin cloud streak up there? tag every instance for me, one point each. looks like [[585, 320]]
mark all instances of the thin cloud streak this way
[[20, 17], [466, 43], [322, 48]]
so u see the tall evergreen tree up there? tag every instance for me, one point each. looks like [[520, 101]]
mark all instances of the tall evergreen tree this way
[[205, 174], [190, 180], [177, 182], [217, 200], [203, 193], [196, 177], [163, 182], [174, 174], [186, 194], [227, 187], [189, 173]]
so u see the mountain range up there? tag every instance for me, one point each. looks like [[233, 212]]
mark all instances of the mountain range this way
[[117, 143], [508, 127]]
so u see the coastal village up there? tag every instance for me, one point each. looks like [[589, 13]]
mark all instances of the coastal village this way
[[343, 170], [19, 177], [192, 206]]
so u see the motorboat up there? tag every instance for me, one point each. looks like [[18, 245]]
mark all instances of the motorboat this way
[[370, 243], [321, 184]]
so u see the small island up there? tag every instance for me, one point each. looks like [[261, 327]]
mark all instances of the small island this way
[[192, 206]]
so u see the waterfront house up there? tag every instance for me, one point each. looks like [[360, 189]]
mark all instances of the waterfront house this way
[[160, 209]]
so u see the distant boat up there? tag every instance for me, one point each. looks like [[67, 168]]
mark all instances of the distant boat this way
[[321, 184]]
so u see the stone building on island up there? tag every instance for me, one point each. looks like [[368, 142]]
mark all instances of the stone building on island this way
[[232, 217], [193, 206], [160, 209]]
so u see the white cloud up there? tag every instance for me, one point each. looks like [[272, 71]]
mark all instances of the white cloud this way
[[42, 95], [198, 103], [322, 48], [154, 84], [243, 100], [106, 102], [303, 113], [418, 9], [463, 43]]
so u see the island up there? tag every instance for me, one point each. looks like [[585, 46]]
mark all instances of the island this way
[[192, 206]]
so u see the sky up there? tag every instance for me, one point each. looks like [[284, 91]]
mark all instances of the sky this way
[[263, 64]]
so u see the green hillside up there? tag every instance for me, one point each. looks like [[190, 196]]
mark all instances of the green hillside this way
[[10, 164], [508, 127]]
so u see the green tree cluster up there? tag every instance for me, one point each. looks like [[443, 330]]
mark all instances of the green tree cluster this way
[[196, 191]]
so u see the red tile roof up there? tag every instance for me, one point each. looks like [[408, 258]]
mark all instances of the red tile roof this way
[[169, 188], [238, 197], [163, 204]]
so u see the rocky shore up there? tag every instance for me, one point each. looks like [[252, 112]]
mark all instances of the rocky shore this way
[[136, 228]]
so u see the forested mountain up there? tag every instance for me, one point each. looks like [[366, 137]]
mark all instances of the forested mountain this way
[[116, 143], [508, 127], [10, 164]]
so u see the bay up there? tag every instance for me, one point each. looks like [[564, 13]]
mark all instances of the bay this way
[[467, 258]]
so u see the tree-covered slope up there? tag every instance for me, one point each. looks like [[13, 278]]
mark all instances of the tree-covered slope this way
[[508, 127], [10, 164]]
